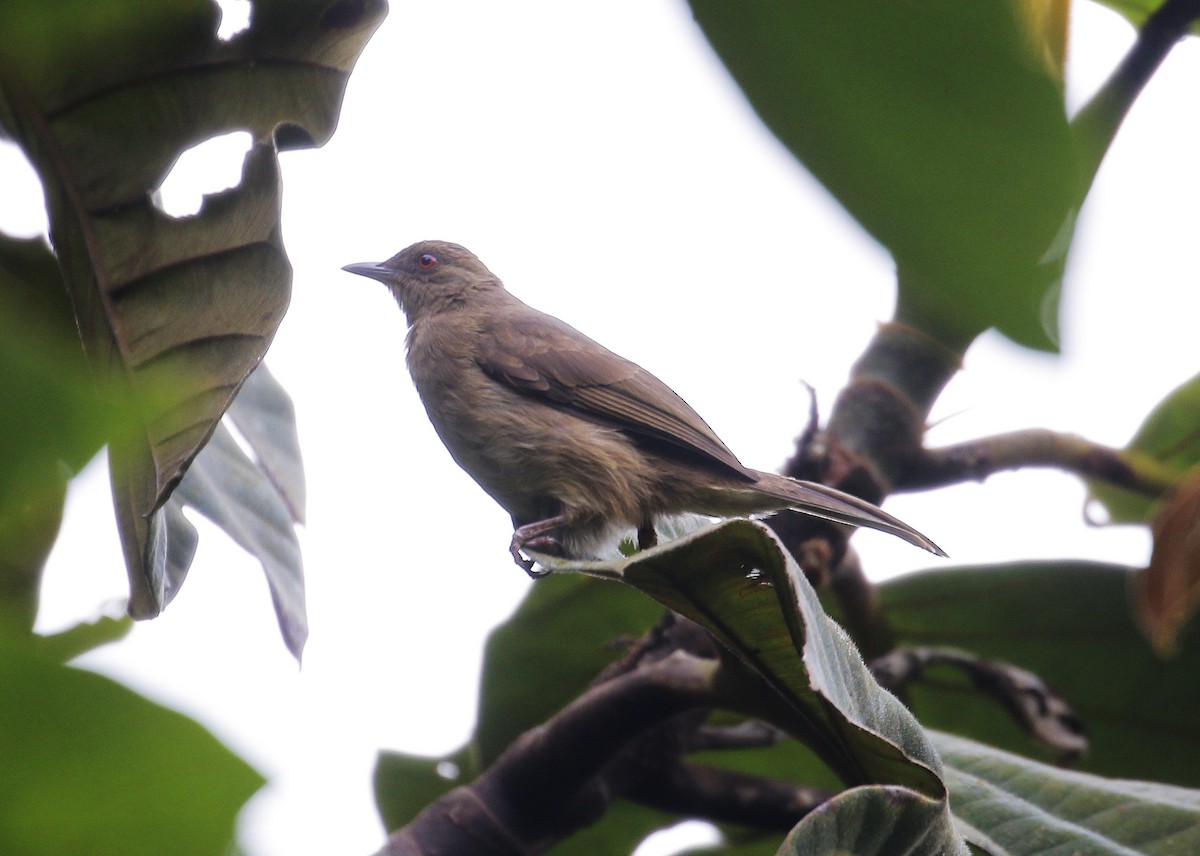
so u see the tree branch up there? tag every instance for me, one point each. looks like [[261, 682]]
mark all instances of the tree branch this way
[[1036, 447], [548, 784], [1097, 123], [625, 737], [1039, 710], [862, 611], [876, 429]]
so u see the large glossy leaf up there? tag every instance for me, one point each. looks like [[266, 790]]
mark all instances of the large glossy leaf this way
[[1011, 805], [1070, 623], [942, 130], [103, 97], [738, 581], [91, 767], [1170, 437]]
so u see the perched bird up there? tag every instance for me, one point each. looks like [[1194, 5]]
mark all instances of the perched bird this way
[[567, 436]]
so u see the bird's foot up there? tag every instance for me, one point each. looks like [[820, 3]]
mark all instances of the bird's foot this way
[[540, 543], [534, 536]]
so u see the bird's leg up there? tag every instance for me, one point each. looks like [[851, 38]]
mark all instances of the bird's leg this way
[[534, 535], [646, 536]]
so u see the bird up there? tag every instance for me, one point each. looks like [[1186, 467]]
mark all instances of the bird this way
[[571, 439]]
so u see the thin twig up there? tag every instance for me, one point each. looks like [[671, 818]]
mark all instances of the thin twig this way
[[1038, 709], [1036, 447]]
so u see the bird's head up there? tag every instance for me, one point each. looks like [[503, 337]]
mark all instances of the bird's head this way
[[432, 277]]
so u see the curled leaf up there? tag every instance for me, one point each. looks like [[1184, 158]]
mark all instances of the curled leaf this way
[[736, 580]]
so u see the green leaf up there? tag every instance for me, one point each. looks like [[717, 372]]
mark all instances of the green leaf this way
[[1169, 437], [91, 767], [940, 128], [29, 525], [51, 422], [736, 580], [51, 412], [1070, 624], [81, 638], [1011, 805], [184, 306], [875, 820]]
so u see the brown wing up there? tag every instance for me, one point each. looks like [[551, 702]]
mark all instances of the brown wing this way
[[542, 356]]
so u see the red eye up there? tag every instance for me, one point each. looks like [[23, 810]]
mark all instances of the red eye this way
[[427, 261]]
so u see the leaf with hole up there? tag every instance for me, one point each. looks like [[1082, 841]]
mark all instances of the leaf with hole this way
[[103, 97]]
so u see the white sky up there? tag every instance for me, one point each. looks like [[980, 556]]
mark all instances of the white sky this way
[[598, 158]]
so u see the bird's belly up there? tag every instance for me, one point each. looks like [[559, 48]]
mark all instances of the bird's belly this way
[[537, 460]]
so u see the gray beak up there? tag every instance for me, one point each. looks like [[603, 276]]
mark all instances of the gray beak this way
[[372, 270]]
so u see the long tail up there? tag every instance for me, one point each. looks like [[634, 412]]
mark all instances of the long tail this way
[[832, 504]]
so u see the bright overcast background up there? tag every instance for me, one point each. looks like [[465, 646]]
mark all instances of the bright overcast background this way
[[600, 160]]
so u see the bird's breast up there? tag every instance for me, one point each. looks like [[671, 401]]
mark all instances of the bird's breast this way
[[527, 452]]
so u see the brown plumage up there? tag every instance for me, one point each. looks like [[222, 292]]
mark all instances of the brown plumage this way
[[570, 438]]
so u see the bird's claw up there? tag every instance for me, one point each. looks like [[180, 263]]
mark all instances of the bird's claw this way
[[541, 543]]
